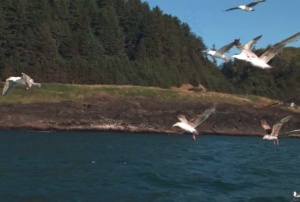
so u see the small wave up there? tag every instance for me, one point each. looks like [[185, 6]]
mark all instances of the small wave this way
[[160, 180], [15, 197], [228, 186]]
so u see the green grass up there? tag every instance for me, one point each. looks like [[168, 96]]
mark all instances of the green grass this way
[[83, 93]]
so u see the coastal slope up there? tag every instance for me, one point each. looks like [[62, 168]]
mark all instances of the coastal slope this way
[[130, 109]]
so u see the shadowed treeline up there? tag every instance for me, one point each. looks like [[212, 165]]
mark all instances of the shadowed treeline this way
[[120, 42]]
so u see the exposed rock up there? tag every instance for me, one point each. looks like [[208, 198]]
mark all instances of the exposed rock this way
[[140, 115]]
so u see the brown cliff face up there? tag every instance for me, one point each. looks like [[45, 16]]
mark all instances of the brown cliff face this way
[[140, 115]]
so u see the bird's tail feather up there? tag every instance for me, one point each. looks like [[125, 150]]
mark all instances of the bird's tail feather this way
[[37, 84]]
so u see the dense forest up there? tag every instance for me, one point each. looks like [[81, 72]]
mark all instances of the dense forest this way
[[123, 42]]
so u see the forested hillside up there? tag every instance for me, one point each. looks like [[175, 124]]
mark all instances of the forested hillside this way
[[121, 42]]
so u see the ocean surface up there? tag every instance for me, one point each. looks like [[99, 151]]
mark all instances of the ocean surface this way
[[102, 166]]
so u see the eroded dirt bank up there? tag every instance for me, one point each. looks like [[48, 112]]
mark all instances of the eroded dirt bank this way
[[139, 115]]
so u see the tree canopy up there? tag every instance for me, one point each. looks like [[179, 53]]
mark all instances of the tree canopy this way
[[122, 42]]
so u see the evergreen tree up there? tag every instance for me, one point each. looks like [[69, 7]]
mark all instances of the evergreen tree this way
[[125, 42]]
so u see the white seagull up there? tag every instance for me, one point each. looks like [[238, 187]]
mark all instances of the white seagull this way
[[190, 126], [248, 7], [247, 46], [272, 134], [220, 53], [272, 51], [20, 80], [296, 195]]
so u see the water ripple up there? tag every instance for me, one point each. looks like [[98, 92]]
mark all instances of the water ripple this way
[[87, 166]]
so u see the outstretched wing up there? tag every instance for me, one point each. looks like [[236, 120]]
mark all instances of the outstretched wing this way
[[271, 52], [266, 126], [182, 118], [254, 3], [199, 119], [230, 9], [275, 49], [297, 131], [8, 86], [291, 39], [250, 44], [278, 125], [225, 48]]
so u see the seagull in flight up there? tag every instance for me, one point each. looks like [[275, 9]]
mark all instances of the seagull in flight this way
[[190, 126], [220, 53], [248, 7], [20, 80], [247, 46], [272, 51], [296, 195], [272, 134]]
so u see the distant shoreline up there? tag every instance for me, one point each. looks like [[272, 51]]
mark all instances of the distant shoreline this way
[[138, 114], [138, 131]]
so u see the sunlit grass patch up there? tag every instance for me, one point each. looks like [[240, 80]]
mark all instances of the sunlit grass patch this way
[[53, 92]]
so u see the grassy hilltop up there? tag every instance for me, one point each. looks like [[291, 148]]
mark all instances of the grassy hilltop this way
[[82, 93]]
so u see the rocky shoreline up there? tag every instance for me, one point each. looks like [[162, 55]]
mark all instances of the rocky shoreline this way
[[113, 113]]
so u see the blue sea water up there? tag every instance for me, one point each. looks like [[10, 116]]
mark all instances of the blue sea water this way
[[102, 166]]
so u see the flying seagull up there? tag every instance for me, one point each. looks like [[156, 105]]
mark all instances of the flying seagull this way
[[296, 195], [220, 53], [190, 126], [248, 7], [272, 134], [272, 51], [20, 80], [247, 46]]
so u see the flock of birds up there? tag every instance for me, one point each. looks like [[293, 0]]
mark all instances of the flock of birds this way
[[246, 50], [272, 133], [246, 54], [259, 62], [249, 56]]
